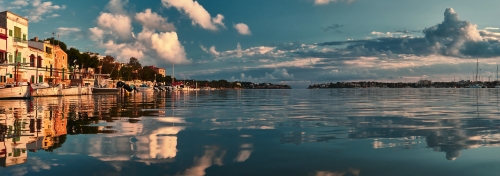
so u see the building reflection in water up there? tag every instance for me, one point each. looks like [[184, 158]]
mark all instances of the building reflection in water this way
[[26, 126], [144, 129]]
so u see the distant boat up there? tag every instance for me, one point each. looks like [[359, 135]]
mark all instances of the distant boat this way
[[477, 72], [497, 86], [101, 85], [476, 86], [144, 88]]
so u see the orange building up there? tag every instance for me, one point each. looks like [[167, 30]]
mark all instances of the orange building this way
[[61, 66]]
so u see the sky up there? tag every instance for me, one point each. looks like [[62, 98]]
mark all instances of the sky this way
[[296, 42]]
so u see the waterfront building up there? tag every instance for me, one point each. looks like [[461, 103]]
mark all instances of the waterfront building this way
[[61, 66], [48, 61], [3, 52], [158, 71], [35, 71], [16, 28]]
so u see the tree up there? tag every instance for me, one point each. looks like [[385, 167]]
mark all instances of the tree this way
[[85, 59], [93, 62], [74, 57], [107, 65], [57, 42], [134, 63], [126, 73], [147, 74]]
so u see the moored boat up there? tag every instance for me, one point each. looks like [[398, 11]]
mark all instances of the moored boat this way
[[19, 90], [43, 89]]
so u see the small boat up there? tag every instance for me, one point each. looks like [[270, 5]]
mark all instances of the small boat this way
[[144, 88], [16, 89], [43, 89], [97, 90], [19, 90], [101, 85], [77, 90]]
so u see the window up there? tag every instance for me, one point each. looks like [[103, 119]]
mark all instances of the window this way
[[10, 32], [17, 32], [24, 60], [10, 58], [18, 58], [24, 37], [48, 50]]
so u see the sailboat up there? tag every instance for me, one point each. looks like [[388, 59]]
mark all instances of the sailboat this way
[[477, 72], [497, 86]]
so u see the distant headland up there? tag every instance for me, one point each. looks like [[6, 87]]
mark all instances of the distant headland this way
[[419, 84]]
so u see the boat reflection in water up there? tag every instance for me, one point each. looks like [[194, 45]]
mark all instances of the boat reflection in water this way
[[254, 132]]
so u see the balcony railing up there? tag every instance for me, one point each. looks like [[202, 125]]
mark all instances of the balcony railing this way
[[20, 40]]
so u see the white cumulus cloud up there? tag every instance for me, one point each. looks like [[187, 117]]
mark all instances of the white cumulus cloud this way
[[67, 31], [323, 2], [96, 34], [121, 25], [243, 29], [152, 20], [196, 13], [169, 48], [19, 2], [40, 10], [122, 52]]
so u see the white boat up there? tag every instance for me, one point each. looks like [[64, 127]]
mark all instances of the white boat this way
[[144, 88], [11, 90], [476, 80], [43, 89], [101, 85], [98, 90], [77, 90]]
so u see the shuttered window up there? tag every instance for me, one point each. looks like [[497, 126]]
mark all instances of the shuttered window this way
[[17, 32]]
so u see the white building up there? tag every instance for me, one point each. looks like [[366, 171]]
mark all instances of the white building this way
[[17, 44]]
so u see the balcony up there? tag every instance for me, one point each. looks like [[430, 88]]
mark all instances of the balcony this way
[[19, 42]]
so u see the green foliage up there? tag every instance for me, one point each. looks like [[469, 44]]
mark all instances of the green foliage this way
[[126, 73], [57, 42], [147, 74], [134, 63], [74, 57]]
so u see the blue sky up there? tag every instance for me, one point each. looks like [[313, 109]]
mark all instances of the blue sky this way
[[295, 41]]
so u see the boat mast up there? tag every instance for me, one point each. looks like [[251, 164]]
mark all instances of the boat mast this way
[[477, 68]]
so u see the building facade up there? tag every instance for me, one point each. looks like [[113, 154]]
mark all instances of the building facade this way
[[159, 71], [45, 60], [3, 51], [16, 28], [61, 65]]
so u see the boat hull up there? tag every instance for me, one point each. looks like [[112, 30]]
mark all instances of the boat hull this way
[[77, 91], [105, 90], [21, 92], [49, 91]]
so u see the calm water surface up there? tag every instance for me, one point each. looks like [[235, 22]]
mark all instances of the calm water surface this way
[[330, 132]]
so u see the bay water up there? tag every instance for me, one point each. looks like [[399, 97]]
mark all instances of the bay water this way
[[323, 132]]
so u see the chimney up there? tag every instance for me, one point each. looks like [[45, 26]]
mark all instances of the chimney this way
[[36, 39]]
